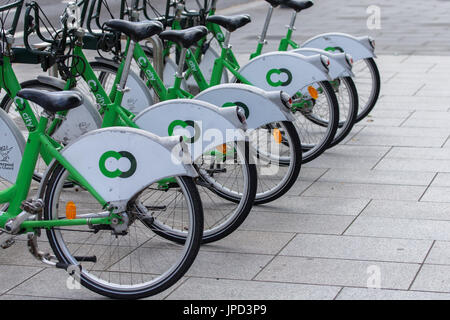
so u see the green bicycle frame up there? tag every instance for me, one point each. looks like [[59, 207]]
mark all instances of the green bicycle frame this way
[[17, 193]]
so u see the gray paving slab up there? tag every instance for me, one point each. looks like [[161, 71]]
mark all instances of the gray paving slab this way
[[315, 205], [18, 297], [349, 151], [384, 294], [407, 210], [365, 191], [20, 256], [228, 265], [210, 289], [380, 122], [13, 276], [52, 283], [338, 272], [437, 194], [416, 165], [398, 141], [379, 114], [302, 223], [377, 177], [439, 254], [251, 242], [433, 278], [358, 248], [400, 228], [419, 153], [331, 160]]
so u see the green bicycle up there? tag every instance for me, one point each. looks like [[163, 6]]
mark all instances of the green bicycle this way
[[218, 177], [316, 120]]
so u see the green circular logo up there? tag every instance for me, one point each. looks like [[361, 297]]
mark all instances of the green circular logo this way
[[279, 72], [240, 105], [185, 124], [117, 173]]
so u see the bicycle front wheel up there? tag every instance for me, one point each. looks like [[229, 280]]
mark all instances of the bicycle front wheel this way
[[136, 263]]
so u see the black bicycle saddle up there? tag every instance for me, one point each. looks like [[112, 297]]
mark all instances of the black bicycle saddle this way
[[186, 37], [230, 23], [53, 101], [137, 31]]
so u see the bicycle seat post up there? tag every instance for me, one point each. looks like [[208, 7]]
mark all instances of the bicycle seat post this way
[[127, 66], [180, 70], [262, 38], [9, 39], [291, 26]]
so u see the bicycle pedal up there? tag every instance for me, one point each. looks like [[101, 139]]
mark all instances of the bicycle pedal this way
[[6, 243], [33, 206]]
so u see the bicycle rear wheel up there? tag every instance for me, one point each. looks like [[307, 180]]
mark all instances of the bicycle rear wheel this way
[[278, 153], [368, 82], [136, 263], [227, 189], [310, 117]]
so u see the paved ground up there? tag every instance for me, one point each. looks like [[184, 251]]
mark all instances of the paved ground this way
[[373, 211]]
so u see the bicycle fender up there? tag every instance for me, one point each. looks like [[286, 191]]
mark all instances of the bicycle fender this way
[[12, 146], [260, 107], [203, 125], [119, 162], [284, 71], [339, 67], [138, 97], [79, 120], [359, 47]]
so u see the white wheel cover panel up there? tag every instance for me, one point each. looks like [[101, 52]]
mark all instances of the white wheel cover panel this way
[[203, 125], [284, 71], [119, 162], [261, 107], [12, 145], [359, 48]]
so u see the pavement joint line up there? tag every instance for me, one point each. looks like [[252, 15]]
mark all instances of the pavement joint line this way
[[421, 265], [408, 56], [32, 276], [415, 93], [348, 235], [339, 292], [407, 118], [349, 139], [431, 68], [31, 296], [376, 184], [381, 159], [274, 256], [350, 259], [175, 287], [392, 77], [316, 180], [446, 140], [359, 214], [428, 187]]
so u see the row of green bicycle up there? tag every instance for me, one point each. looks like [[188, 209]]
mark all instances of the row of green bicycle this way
[[150, 150]]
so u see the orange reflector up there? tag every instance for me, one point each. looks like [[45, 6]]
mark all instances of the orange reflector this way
[[313, 92], [71, 210], [222, 148], [277, 135]]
